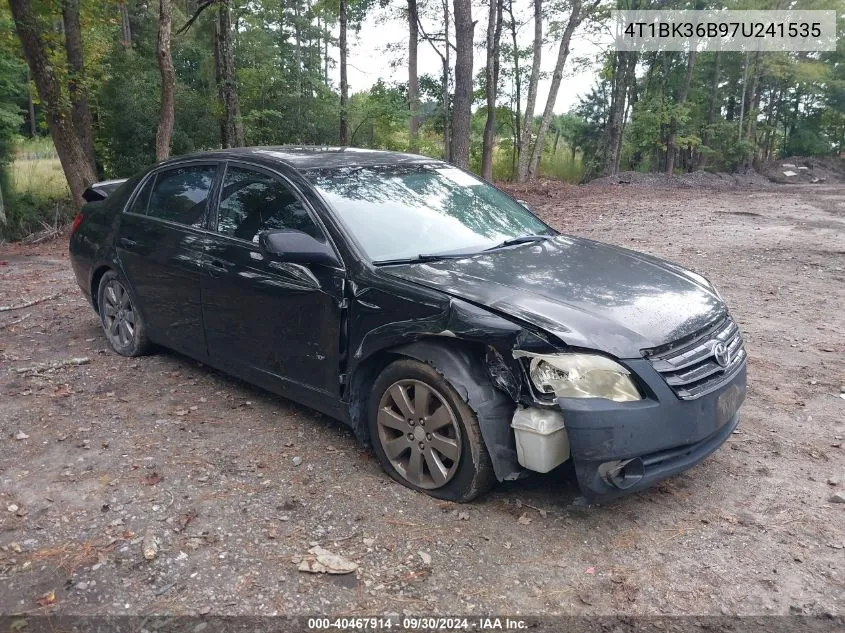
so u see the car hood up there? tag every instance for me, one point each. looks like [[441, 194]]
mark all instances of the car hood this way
[[586, 293]]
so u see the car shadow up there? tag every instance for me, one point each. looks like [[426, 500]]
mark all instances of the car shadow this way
[[556, 490]]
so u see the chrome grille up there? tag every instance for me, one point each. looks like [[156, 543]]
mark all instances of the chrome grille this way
[[691, 370]]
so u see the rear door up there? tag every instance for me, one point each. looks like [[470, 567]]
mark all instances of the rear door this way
[[276, 322], [161, 246]]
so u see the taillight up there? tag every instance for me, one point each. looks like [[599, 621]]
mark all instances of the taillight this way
[[77, 221]]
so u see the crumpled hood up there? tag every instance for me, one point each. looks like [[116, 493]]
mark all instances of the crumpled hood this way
[[586, 293]]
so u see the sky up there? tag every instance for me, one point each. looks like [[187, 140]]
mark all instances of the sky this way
[[369, 58]]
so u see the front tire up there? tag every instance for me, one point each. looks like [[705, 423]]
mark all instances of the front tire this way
[[424, 434], [121, 321]]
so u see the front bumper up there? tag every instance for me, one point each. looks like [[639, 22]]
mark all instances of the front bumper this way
[[663, 434]]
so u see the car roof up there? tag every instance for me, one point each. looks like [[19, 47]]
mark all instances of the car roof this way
[[305, 157]]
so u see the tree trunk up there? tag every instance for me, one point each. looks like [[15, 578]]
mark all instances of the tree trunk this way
[[630, 82], [575, 19], [75, 164], [462, 112], [326, 58], [233, 132], [742, 99], [528, 116], [344, 88], [319, 47], [33, 127], [712, 105], [517, 105], [494, 35], [309, 50], [773, 98], [218, 66], [80, 109], [297, 31], [622, 73], [673, 124], [413, 77], [126, 29], [447, 110], [753, 100], [164, 134]]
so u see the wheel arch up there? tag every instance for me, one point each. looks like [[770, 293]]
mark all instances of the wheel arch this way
[[96, 276], [461, 365]]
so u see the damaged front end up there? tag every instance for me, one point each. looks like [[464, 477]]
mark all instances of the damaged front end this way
[[471, 347], [538, 402]]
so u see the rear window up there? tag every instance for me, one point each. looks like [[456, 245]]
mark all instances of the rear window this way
[[181, 195], [139, 204]]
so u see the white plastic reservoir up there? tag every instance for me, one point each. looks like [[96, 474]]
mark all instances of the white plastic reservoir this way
[[542, 443]]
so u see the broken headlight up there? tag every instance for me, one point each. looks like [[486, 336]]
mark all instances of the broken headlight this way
[[581, 376]]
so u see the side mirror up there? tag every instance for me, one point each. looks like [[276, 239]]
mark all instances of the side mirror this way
[[296, 247], [526, 205]]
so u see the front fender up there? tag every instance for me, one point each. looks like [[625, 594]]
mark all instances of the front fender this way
[[493, 408]]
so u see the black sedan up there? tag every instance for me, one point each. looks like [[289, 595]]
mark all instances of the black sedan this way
[[465, 339]]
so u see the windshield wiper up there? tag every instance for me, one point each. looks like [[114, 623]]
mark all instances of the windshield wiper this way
[[522, 239], [418, 259], [432, 257]]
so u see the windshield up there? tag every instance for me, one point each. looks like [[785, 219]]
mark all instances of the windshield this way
[[402, 211]]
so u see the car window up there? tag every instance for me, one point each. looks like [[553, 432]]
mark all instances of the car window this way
[[180, 195], [252, 202], [139, 205]]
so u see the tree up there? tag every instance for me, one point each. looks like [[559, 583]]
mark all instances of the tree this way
[[491, 77], [673, 125], [344, 87], [125, 27], [231, 128], [413, 77], [514, 72], [233, 131], [528, 117], [462, 111], [164, 133], [624, 64], [445, 101], [10, 121], [77, 88], [576, 16], [350, 13], [74, 159]]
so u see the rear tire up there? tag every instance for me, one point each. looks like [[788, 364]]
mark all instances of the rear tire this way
[[425, 435], [120, 318]]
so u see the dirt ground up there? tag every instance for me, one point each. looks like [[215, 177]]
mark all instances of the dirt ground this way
[[99, 459]]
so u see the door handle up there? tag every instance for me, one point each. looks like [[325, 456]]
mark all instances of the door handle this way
[[216, 268], [127, 243]]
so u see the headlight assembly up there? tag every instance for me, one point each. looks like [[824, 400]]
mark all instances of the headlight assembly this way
[[580, 376]]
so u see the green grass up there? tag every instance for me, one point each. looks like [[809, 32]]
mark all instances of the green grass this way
[[40, 177], [35, 191], [559, 166], [38, 147], [562, 166]]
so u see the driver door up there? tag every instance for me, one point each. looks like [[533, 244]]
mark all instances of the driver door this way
[[271, 321]]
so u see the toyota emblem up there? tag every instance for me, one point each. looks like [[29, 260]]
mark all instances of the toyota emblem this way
[[722, 354]]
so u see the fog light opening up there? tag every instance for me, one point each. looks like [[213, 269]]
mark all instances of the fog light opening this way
[[623, 474]]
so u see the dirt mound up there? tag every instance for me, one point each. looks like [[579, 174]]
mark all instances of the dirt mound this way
[[539, 192], [804, 169], [695, 180]]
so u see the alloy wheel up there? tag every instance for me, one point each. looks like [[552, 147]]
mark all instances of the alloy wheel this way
[[118, 314], [419, 433]]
